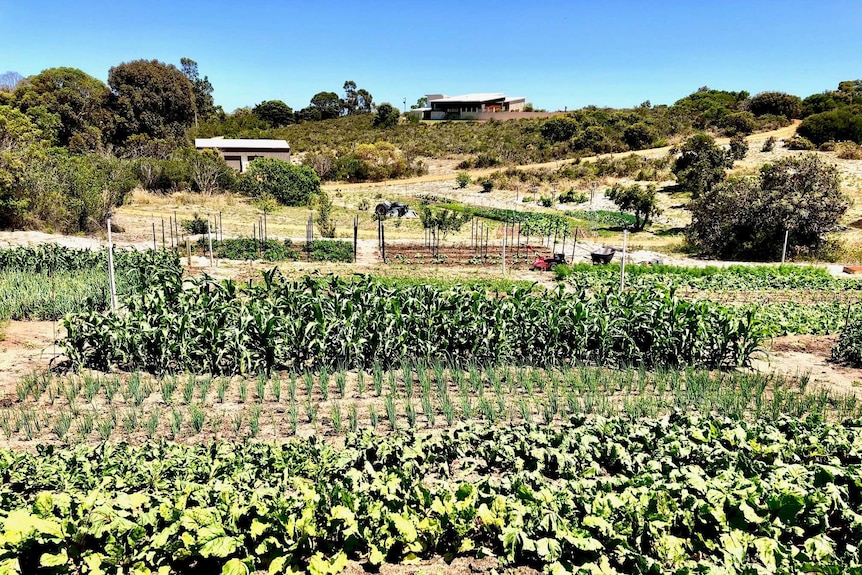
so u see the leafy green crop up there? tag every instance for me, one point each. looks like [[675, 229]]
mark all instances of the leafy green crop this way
[[680, 494]]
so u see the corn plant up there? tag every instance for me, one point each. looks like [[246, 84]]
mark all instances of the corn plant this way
[[323, 379], [261, 387], [243, 391], [291, 387]]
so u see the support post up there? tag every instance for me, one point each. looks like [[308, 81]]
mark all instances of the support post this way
[[784, 251], [355, 236], [111, 281], [163, 232], [623, 262], [155, 246], [210, 239]]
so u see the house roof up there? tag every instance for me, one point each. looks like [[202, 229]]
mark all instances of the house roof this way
[[478, 97], [240, 143]]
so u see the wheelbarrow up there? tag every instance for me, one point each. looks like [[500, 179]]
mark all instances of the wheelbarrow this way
[[602, 255]]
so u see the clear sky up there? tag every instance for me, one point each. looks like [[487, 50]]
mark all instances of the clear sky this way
[[558, 54]]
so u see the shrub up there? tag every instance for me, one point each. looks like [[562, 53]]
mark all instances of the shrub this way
[[838, 125], [487, 185], [849, 151], [776, 103], [799, 143], [738, 147], [768, 145], [848, 348], [570, 196], [546, 201], [196, 226], [290, 185], [463, 179], [486, 161], [330, 251]]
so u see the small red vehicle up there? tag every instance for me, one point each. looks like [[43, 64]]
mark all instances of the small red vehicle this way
[[545, 264]]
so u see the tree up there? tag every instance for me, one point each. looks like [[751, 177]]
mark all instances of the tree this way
[[152, 99], [9, 81], [328, 104], [78, 100], [325, 225], [634, 198], [420, 103], [747, 217], [290, 185], [777, 104], [443, 220], [701, 165], [387, 116], [201, 87], [275, 113]]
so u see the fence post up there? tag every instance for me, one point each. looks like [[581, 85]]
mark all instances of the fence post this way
[[111, 281], [210, 239], [355, 236], [383, 242], [784, 251], [623, 263]]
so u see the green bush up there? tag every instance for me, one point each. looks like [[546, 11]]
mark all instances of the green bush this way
[[196, 226], [463, 179], [330, 251], [290, 185], [799, 143], [848, 349], [251, 249]]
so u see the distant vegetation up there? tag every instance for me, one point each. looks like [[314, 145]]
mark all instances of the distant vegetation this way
[[72, 146]]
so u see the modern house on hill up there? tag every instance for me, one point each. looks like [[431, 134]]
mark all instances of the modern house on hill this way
[[470, 106], [237, 153]]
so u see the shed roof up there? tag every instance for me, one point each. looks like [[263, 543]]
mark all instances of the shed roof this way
[[241, 143]]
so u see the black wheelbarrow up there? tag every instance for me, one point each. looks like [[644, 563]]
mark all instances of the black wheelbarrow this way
[[602, 255]]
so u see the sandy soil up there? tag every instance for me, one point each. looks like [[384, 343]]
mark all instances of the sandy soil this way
[[800, 355], [28, 347]]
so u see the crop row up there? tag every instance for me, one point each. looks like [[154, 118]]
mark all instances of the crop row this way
[[278, 250], [710, 278], [48, 282], [139, 408], [220, 327], [684, 493]]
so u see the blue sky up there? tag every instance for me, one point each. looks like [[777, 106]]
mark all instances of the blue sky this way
[[558, 54]]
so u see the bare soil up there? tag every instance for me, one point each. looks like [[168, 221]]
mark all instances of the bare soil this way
[[809, 355], [27, 347]]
